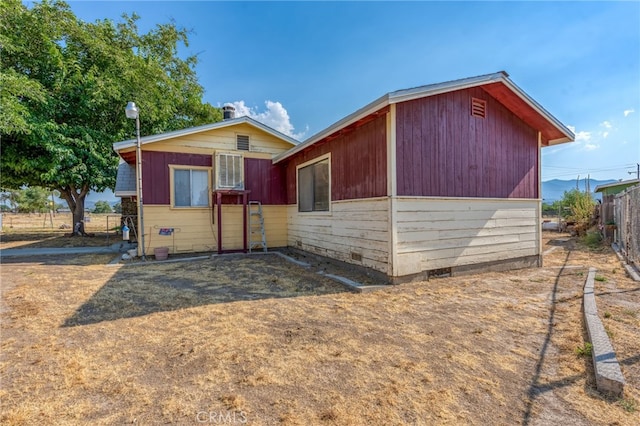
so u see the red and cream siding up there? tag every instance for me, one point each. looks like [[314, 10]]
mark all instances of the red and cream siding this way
[[195, 228], [422, 184], [357, 224], [467, 188]]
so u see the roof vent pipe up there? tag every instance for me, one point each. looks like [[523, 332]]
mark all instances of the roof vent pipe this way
[[228, 112]]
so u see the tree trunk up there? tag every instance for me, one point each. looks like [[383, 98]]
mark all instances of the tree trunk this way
[[75, 200], [78, 218]]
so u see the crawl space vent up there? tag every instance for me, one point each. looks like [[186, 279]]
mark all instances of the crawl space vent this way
[[478, 108]]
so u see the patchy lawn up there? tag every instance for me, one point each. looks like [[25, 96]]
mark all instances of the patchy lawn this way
[[268, 342], [617, 298]]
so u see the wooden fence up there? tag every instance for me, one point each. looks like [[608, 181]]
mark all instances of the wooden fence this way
[[627, 218]]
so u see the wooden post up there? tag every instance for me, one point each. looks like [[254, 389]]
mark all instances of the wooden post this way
[[219, 205], [245, 200]]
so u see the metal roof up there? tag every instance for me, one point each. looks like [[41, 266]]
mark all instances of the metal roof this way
[[614, 184], [125, 181], [501, 77]]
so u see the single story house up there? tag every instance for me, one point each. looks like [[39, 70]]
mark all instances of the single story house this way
[[443, 178]]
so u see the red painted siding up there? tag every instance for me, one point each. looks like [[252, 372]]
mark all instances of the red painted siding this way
[[265, 180], [443, 151], [155, 173], [358, 162]]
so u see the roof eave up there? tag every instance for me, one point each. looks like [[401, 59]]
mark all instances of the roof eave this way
[[368, 109], [130, 143], [447, 86], [629, 182], [559, 141], [431, 90], [568, 134]]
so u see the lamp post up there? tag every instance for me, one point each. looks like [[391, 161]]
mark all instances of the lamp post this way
[[133, 113]]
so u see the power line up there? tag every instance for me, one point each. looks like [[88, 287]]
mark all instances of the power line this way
[[621, 166], [583, 171]]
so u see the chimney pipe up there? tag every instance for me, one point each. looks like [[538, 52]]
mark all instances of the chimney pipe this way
[[228, 112]]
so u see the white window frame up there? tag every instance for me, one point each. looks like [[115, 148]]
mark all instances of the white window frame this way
[[172, 189], [306, 164], [217, 169]]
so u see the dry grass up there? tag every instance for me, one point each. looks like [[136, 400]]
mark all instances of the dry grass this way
[[22, 230], [268, 342]]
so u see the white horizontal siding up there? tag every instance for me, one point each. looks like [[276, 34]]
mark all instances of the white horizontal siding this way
[[354, 226], [440, 233]]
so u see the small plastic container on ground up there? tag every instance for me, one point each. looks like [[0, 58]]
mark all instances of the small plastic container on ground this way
[[161, 253]]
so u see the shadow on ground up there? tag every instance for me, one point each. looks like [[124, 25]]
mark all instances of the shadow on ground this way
[[144, 289]]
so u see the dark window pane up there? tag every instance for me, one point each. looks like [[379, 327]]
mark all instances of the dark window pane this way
[[321, 186], [305, 189], [313, 187], [199, 188], [182, 194]]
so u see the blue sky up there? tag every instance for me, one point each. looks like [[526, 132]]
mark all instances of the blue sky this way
[[301, 66]]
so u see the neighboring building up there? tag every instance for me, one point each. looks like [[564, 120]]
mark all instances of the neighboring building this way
[[607, 215], [443, 178], [614, 188]]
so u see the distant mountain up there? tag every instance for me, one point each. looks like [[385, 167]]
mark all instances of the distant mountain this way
[[553, 190]]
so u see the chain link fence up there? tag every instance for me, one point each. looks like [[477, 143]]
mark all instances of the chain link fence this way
[[627, 219], [58, 222]]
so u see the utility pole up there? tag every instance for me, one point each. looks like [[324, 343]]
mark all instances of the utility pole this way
[[637, 172]]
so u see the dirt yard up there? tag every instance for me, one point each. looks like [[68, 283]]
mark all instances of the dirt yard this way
[[261, 341]]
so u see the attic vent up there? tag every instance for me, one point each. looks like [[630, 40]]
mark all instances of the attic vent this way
[[478, 108], [242, 143]]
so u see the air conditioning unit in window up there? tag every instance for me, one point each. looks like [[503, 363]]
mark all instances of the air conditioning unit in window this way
[[229, 169]]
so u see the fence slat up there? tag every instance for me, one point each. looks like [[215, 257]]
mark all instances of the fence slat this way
[[627, 217]]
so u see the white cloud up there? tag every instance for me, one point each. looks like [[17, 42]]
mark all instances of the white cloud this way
[[275, 116], [628, 111], [583, 139], [608, 126], [580, 136]]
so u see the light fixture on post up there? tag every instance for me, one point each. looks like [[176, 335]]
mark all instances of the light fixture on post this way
[[133, 113]]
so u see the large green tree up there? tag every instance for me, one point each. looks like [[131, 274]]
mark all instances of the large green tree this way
[[64, 84], [101, 207]]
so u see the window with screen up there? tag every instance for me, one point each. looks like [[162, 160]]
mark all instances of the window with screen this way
[[190, 188], [313, 187]]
